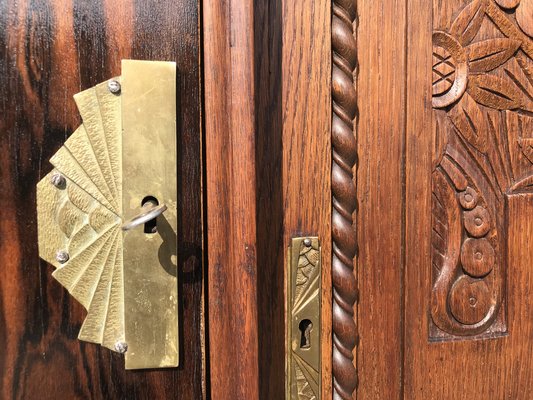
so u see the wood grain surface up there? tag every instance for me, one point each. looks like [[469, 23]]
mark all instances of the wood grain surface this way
[[50, 50], [381, 129], [268, 102], [231, 177], [468, 331], [444, 190], [268, 158], [306, 140]]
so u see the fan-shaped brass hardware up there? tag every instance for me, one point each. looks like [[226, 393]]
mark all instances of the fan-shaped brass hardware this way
[[124, 152]]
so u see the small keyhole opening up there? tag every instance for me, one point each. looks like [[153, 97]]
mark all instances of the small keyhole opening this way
[[150, 226], [305, 327]]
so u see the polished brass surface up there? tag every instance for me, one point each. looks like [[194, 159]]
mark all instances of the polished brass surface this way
[[303, 300], [126, 280], [79, 206], [148, 91]]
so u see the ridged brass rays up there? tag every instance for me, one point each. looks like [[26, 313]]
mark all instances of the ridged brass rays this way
[[122, 154]]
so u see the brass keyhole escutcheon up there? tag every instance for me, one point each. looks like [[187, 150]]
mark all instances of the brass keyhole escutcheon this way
[[303, 300]]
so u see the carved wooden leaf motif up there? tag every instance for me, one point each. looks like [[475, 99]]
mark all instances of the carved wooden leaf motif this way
[[527, 148], [495, 92], [82, 216], [525, 184], [465, 27], [439, 237], [524, 16], [469, 121], [489, 54], [522, 79]]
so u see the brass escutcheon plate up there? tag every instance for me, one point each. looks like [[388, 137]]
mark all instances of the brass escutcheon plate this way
[[123, 153], [303, 319]]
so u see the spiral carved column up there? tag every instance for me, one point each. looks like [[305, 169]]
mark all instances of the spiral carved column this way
[[343, 188]]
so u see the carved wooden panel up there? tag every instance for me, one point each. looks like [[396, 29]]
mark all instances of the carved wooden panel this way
[[483, 126]]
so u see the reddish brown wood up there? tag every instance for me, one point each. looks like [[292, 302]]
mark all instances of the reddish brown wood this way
[[231, 198], [343, 192], [50, 50], [468, 177], [381, 129], [306, 166]]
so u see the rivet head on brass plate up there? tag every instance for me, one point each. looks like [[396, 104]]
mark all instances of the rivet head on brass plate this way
[[114, 86], [62, 256], [121, 347], [58, 180]]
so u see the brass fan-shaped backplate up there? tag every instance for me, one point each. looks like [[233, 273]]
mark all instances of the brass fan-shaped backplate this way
[[127, 281]]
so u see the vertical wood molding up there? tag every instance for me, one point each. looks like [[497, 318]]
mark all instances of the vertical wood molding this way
[[343, 190], [231, 198]]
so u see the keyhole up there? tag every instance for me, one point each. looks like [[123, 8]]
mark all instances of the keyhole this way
[[150, 226], [305, 327]]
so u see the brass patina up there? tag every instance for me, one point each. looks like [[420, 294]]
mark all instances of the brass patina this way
[[123, 153], [303, 301]]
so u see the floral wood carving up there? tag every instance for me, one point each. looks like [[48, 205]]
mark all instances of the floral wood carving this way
[[344, 155], [483, 102]]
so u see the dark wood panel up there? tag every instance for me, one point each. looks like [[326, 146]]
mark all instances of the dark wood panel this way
[[268, 158], [50, 50]]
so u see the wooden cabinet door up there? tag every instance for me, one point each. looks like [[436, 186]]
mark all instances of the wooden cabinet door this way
[[49, 51], [400, 133], [445, 204]]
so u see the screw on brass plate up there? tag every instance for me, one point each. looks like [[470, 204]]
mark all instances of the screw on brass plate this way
[[307, 242], [121, 347], [113, 86], [62, 256], [58, 180]]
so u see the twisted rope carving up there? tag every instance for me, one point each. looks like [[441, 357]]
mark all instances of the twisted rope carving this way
[[344, 157]]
